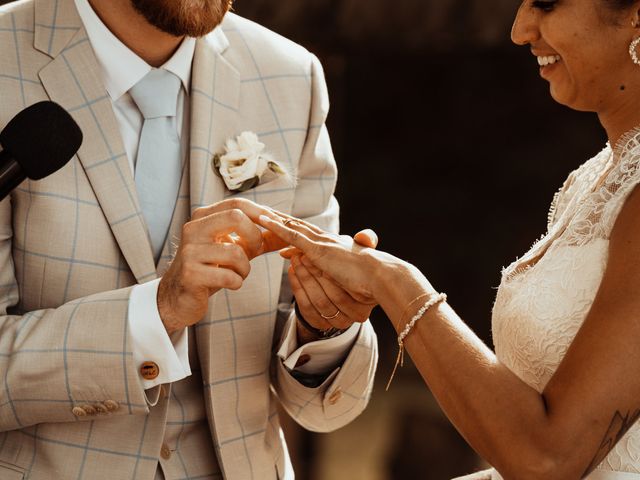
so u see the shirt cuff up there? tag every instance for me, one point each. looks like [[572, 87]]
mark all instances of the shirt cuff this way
[[150, 340], [321, 356]]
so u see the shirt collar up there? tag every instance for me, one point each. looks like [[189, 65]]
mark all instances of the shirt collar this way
[[121, 68]]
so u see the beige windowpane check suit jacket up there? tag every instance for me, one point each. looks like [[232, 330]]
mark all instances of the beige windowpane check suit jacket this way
[[73, 244]]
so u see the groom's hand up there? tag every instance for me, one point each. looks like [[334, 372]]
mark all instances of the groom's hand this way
[[214, 253]]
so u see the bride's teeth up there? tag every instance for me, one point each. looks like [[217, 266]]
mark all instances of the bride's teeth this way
[[548, 60]]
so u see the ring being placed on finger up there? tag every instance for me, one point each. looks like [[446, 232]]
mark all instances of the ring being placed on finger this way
[[331, 317]]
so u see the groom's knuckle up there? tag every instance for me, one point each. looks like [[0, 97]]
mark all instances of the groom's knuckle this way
[[235, 215], [188, 229], [200, 212], [235, 203]]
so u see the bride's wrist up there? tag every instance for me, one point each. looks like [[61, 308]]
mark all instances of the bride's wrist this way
[[398, 284]]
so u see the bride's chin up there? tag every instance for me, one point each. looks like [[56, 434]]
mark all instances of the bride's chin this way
[[569, 99]]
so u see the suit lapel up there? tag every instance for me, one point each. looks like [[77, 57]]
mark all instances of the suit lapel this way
[[215, 92], [72, 80], [215, 95]]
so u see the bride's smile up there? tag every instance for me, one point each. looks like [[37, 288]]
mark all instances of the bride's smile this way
[[575, 42]]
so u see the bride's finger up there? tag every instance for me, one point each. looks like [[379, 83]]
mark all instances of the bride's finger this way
[[289, 252], [298, 221], [319, 298], [288, 234], [354, 310], [318, 273], [324, 278], [272, 242], [305, 306], [315, 271], [303, 228]]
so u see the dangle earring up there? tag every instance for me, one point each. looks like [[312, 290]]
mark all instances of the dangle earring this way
[[633, 52], [633, 48]]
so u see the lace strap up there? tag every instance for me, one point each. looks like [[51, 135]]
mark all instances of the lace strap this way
[[622, 180], [575, 183], [599, 209]]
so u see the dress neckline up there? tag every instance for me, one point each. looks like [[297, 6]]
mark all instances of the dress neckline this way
[[539, 249], [628, 142]]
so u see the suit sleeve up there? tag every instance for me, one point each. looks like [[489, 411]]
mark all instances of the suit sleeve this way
[[345, 393], [65, 364]]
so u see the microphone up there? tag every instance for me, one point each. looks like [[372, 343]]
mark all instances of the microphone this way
[[38, 141]]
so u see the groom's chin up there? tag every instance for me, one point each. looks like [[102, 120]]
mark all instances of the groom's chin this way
[[192, 18]]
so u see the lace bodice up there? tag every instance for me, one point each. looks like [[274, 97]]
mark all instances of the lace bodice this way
[[545, 296]]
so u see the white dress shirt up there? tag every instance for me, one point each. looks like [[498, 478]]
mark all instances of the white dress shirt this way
[[121, 69]]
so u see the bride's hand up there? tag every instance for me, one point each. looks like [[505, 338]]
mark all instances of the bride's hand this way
[[351, 265]]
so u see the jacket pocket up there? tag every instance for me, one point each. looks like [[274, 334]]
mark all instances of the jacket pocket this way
[[10, 472]]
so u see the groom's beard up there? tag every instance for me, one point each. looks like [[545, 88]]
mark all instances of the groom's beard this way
[[193, 18]]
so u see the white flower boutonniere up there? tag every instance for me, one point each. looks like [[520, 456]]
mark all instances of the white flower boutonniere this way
[[244, 164]]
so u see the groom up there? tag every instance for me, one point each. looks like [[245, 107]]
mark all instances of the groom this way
[[135, 344]]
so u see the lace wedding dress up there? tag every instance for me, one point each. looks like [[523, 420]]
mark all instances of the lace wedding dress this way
[[545, 296]]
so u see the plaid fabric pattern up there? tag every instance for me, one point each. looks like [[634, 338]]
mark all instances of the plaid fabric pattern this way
[[73, 244]]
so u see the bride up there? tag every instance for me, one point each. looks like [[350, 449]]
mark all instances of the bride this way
[[560, 396]]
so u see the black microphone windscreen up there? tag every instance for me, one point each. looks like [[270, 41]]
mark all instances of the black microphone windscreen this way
[[42, 139]]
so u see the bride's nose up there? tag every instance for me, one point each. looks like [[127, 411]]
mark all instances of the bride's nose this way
[[525, 27]]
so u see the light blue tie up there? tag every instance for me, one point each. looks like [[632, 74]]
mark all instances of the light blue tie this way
[[158, 164]]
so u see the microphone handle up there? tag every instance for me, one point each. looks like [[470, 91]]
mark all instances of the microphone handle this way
[[11, 174]]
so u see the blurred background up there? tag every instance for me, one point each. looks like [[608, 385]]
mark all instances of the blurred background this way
[[451, 148]]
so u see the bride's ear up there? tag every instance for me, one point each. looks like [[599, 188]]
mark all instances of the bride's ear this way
[[635, 17], [366, 238]]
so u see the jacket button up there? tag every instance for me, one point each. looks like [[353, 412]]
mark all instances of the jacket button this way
[[111, 405], [149, 370], [89, 409], [101, 408], [165, 452], [79, 412], [335, 397]]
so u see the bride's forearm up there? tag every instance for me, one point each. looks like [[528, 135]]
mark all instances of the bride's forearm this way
[[503, 418]]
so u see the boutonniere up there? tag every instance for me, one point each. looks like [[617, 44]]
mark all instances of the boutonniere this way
[[244, 163]]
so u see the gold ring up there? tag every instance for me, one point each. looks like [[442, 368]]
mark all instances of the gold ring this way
[[287, 222], [332, 316]]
